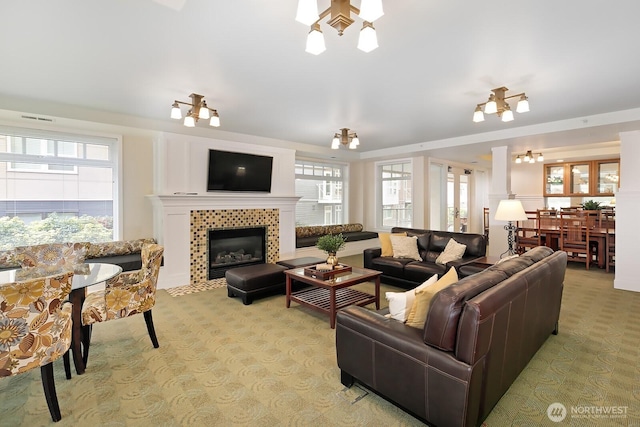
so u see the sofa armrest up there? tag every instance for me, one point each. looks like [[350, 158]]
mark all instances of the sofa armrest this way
[[369, 254], [463, 261]]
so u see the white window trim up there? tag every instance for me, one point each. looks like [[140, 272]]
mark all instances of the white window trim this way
[[379, 217]]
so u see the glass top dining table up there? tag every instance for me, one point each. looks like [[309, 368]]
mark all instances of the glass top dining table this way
[[85, 275]]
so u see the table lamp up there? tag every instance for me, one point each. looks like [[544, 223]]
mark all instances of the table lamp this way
[[510, 210]]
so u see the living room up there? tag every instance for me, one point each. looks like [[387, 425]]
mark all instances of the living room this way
[[113, 90]]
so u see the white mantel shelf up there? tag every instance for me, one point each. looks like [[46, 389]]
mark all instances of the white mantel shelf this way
[[171, 224]]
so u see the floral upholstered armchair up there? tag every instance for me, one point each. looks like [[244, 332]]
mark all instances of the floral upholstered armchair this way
[[35, 329], [65, 255], [125, 295]]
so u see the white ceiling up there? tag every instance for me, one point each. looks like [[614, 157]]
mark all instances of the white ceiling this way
[[576, 60]]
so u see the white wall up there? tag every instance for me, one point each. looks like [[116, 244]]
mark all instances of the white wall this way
[[526, 184]]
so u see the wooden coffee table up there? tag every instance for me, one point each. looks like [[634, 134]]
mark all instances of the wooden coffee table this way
[[328, 296]]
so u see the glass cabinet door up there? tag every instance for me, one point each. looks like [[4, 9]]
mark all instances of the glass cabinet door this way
[[554, 179], [608, 175], [579, 178]]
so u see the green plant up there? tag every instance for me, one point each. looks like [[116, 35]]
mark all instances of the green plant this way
[[331, 243], [591, 205]]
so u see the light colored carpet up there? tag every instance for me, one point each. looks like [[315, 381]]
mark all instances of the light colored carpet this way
[[221, 363]]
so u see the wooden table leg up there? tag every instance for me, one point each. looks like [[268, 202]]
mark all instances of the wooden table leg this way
[[332, 307], [77, 298], [378, 293], [288, 293]]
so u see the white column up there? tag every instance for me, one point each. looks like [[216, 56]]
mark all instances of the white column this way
[[627, 208], [500, 189]]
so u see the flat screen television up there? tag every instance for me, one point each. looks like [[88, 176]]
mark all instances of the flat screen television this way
[[230, 171]]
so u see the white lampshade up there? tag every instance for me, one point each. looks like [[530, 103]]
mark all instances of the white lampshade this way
[[540, 157], [354, 143], [510, 210], [175, 111], [478, 115], [518, 159], [215, 119], [491, 107], [189, 121], [523, 105], [335, 143], [204, 112], [368, 39], [315, 42], [370, 10], [507, 115], [307, 12]]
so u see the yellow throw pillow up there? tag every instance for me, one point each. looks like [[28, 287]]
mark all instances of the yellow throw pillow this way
[[385, 242], [420, 308]]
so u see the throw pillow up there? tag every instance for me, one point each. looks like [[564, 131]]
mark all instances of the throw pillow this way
[[420, 308], [385, 243], [452, 252], [400, 303], [506, 258], [405, 247]]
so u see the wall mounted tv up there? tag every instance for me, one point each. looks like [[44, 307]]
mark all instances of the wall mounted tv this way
[[230, 171]]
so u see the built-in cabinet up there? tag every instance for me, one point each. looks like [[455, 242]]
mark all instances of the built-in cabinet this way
[[582, 178]]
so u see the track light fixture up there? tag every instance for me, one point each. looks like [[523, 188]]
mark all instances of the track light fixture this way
[[497, 104], [199, 110], [529, 157], [340, 18], [345, 138]]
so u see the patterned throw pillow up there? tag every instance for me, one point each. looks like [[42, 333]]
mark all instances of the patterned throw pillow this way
[[452, 252], [56, 254]]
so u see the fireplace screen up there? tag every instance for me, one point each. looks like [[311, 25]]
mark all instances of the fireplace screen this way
[[235, 247]]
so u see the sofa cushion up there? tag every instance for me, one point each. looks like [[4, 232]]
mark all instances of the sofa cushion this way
[[390, 266], [418, 271], [405, 247], [452, 252], [419, 309]]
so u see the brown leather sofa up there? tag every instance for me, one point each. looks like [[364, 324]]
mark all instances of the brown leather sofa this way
[[479, 335], [408, 273]]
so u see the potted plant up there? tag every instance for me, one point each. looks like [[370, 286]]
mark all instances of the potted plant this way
[[331, 244], [591, 205]]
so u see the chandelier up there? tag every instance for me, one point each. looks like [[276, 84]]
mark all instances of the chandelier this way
[[345, 138], [497, 104], [340, 19], [198, 110], [529, 157]]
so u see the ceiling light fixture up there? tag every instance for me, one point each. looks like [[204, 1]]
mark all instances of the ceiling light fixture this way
[[345, 138], [198, 110], [497, 104], [340, 18], [529, 157]]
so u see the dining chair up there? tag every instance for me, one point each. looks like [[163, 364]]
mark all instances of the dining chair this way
[[528, 233], [35, 330], [610, 240], [125, 295], [574, 239], [56, 254], [485, 220]]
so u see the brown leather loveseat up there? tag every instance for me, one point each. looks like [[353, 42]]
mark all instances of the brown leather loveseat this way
[[479, 335], [408, 273]]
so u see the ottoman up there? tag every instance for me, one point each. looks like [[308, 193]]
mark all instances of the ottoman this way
[[301, 262], [248, 282]]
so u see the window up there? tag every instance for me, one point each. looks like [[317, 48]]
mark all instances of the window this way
[[395, 208], [56, 187], [320, 188]]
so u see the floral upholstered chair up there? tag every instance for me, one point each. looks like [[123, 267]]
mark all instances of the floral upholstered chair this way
[[65, 255], [35, 329], [125, 295]]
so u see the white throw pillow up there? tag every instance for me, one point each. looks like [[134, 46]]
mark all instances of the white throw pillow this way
[[400, 303], [506, 258], [452, 252], [405, 247]]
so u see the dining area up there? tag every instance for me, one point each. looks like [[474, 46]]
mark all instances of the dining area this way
[[587, 235], [51, 300]]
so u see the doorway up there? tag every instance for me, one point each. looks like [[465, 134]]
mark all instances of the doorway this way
[[458, 190]]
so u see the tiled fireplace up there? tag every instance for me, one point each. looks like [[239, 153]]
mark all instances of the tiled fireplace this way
[[181, 224]]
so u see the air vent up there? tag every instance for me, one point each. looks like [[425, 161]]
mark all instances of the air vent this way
[[40, 119]]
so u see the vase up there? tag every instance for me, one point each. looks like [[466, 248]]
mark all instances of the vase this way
[[332, 259]]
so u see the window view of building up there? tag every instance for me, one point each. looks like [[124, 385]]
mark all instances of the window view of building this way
[[320, 188], [395, 206], [55, 188]]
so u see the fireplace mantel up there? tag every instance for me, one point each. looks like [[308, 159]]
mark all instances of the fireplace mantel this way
[[172, 226]]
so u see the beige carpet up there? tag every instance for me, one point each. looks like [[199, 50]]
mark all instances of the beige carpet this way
[[221, 363]]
